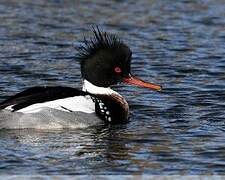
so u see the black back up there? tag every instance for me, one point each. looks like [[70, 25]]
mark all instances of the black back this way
[[39, 95]]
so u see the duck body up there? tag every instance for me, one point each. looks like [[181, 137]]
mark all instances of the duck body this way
[[63, 107]]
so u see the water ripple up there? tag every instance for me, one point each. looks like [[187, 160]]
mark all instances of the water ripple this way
[[179, 45]]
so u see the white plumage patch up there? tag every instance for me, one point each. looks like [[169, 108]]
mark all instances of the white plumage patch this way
[[75, 104], [91, 88]]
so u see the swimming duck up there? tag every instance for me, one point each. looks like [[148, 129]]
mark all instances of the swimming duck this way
[[105, 61]]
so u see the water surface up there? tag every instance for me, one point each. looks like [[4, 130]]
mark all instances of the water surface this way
[[178, 44]]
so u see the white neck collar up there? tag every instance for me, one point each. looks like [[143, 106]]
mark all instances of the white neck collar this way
[[91, 88]]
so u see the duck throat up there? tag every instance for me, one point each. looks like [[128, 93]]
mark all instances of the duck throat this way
[[91, 88], [116, 104]]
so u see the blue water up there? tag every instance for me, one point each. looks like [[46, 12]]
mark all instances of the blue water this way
[[178, 44]]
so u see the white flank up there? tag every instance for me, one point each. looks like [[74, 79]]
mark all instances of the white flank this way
[[77, 103], [91, 88], [10, 108]]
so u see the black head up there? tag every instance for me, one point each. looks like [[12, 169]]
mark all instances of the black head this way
[[105, 59]]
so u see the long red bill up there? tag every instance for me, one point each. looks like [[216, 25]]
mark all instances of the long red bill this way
[[140, 83]]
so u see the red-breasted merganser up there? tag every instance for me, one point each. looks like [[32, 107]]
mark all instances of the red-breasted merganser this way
[[105, 61]]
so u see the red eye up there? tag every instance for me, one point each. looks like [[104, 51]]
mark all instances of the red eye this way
[[117, 70]]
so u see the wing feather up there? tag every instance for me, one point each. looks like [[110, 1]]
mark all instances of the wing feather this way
[[36, 95]]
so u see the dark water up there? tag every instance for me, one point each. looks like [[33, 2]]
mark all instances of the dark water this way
[[178, 44]]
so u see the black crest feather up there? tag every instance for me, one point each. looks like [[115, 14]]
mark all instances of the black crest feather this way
[[100, 40]]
